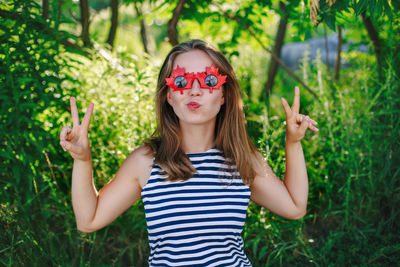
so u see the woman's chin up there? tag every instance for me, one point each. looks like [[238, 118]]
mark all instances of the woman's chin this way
[[197, 122]]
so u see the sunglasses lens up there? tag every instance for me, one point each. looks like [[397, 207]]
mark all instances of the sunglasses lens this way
[[180, 82], [211, 80]]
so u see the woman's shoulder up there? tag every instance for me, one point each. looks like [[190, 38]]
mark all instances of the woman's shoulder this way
[[143, 152], [142, 160], [258, 162]]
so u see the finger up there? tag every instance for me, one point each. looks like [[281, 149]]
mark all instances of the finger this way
[[313, 122], [64, 133], [305, 123], [312, 127], [286, 106], [296, 100], [63, 143], [309, 124], [88, 115], [74, 111], [299, 118]]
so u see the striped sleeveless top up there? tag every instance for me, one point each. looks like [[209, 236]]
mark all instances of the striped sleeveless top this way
[[197, 222]]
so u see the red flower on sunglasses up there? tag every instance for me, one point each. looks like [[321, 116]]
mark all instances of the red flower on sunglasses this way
[[211, 79]]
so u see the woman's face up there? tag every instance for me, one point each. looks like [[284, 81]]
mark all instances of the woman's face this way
[[197, 106]]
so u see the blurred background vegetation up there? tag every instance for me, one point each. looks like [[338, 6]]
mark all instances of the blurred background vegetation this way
[[110, 52]]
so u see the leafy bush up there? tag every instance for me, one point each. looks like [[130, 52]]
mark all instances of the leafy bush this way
[[33, 196], [37, 221], [122, 87], [353, 173]]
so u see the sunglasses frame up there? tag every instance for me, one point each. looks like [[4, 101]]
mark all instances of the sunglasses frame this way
[[200, 76]]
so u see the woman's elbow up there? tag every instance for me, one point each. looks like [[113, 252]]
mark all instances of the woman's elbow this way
[[299, 215], [85, 228]]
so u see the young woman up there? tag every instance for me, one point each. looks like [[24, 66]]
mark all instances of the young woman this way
[[198, 171]]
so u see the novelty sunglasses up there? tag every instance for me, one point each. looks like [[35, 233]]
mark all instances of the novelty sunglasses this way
[[211, 79]]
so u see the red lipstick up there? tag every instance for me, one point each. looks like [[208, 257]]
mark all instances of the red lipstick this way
[[193, 105]]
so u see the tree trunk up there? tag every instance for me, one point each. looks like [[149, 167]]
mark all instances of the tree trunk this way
[[114, 23], [172, 32], [374, 36], [274, 65], [84, 6], [59, 13], [326, 49], [143, 29], [339, 50], [45, 7]]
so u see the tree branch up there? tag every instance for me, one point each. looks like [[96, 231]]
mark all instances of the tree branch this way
[[280, 36], [172, 32], [43, 27], [84, 6], [374, 36], [45, 9], [143, 29], [275, 57], [339, 50], [114, 23], [326, 48]]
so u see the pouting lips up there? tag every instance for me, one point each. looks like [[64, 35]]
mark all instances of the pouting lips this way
[[193, 105]]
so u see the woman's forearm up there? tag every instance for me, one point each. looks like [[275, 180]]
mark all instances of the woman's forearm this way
[[84, 194], [296, 180]]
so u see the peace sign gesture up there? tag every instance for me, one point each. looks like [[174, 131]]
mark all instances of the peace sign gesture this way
[[296, 124], [76, 139]]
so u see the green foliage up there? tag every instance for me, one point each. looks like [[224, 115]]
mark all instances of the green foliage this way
[[122, 88], [31, 196], [377, 9], [353, 172], [37, 222]]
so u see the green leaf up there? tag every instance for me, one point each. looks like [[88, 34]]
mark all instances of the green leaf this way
[[360, 7], [330, 20]]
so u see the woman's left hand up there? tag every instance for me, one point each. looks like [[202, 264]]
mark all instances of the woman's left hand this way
[[296, 124]]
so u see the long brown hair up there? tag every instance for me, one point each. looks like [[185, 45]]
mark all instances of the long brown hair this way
[[230, 130]]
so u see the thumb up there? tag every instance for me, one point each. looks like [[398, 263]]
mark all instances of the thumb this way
[[305, 123], [70, 147]]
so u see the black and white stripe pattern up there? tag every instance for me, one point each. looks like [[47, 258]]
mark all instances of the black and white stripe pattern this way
[[197, 222]]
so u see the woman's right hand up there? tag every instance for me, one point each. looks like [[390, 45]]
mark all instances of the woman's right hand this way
[[76, 139]]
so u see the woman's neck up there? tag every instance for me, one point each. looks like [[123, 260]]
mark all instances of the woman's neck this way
[[197, 138]]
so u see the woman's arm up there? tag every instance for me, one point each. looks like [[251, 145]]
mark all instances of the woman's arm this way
[[287, 198], [94, 210]]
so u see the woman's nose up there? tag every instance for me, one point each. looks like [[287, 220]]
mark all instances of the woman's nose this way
[[195, 90]]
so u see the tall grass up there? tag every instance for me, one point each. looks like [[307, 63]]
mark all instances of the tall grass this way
[[353, 168]]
